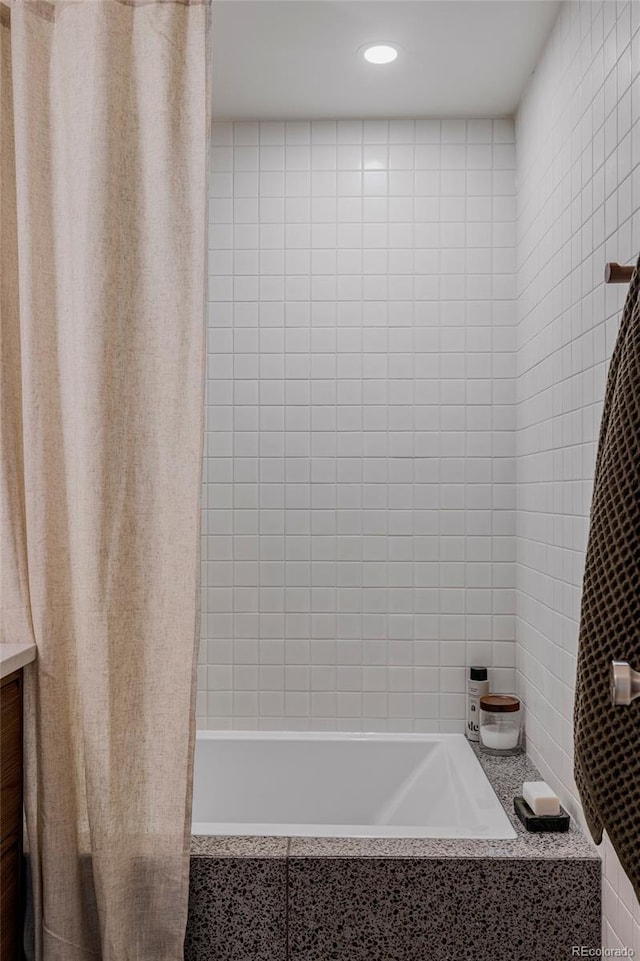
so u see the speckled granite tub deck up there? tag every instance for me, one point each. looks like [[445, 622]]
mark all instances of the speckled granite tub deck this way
[[397, 899]]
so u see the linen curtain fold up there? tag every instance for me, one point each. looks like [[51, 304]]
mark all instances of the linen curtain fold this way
[[104, 128]]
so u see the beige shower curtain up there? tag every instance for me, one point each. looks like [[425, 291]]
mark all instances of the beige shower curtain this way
[[104, 130]]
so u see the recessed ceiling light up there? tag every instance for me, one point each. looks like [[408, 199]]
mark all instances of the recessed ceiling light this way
[[380, 53]]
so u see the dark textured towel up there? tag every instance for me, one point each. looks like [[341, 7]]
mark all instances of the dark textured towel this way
[[607, 738]]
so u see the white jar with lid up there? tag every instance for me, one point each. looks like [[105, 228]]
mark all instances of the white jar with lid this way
[[500, 724]]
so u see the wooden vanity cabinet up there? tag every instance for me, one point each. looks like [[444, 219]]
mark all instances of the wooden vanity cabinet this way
[[11, 817]]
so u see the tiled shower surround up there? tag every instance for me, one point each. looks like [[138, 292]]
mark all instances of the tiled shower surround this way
[[355, 308], [578, 138], [358, 522]]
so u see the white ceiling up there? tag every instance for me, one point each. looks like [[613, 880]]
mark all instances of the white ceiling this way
[[288, 59]]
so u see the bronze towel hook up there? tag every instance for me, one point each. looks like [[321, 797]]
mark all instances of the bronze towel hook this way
[[617, 274]]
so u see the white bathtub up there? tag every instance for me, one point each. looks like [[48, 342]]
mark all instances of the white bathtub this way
[[343, 785]]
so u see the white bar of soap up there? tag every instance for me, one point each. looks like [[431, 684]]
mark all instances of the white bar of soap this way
[[540, 798]]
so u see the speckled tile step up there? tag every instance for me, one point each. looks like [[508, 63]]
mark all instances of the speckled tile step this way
[[427, 909], [237, 908]]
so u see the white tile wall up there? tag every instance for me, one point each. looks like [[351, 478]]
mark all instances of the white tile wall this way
[[578, 136], [358, 528]]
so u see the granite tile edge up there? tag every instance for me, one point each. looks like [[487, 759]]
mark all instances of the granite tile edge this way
[[246, 846], [463, 849]]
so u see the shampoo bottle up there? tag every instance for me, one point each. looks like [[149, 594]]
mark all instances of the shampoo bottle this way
[[477, 685]]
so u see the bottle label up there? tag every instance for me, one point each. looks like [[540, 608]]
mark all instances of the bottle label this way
[[473, 719]]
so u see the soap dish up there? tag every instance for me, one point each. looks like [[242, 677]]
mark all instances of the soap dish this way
[[555, 823]]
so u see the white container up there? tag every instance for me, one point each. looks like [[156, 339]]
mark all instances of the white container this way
[[477, 685], [500, 724]]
